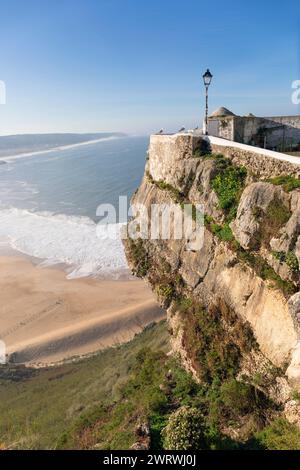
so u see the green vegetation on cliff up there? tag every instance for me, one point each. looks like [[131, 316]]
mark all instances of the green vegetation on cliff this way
[[231, 406], [175, 194], [271, 221], [289, 183], [39, 407], [254, 260], [289, 258], [228, 185], [103, 402], [214, 340]]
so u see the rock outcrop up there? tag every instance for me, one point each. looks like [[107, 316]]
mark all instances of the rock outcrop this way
[[246, 273], [254, 204]]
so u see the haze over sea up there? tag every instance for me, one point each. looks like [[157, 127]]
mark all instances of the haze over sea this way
[[48, 203]]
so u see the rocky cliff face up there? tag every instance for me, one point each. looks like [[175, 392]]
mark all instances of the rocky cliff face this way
[[233, 305]]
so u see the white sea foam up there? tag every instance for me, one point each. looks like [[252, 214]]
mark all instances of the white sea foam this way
[[9, 158], [76, 241]]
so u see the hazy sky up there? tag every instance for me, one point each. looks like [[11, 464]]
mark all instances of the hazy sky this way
[[137, 65]]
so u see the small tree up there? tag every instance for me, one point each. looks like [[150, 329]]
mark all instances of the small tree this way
[[184, 430]]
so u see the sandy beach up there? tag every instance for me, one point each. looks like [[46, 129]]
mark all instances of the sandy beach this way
[[46, 318]]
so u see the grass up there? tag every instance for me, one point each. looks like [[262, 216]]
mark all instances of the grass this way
[[98, 402], [165, 291], [288, 183], [113, 425], [42, 405], [266, 272], [223, 232]]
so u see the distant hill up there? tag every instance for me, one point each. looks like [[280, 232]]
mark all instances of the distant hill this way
[[16, 144]]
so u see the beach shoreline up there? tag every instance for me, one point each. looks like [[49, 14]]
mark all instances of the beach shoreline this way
[[46, 318]]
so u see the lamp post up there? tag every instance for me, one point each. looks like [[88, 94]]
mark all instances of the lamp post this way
[[207, 77]]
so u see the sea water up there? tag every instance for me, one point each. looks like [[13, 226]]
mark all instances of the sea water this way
[[48, 203]]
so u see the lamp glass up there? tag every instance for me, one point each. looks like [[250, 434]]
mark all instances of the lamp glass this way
[[207, 78]]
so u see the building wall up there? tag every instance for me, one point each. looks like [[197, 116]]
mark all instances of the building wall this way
[[289, 134], [279, 133], [222, 127]]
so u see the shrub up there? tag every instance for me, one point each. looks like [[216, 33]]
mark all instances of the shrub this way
[[289, 258], [224, 233], [184, 303], [292, 261], [208, 219], [278, 211], [184, 430], [287, 182], [279, 255], [228, 185], [165, 291], [295, 396], [237, 397], [139, 257], [213, 352], [266, 272], [157, 423], [280, 435], [156, 400], [175, 194], [203, 148], [149, 177], [270, 222]]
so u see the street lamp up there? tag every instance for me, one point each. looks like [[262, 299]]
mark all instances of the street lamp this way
[[207, 77]]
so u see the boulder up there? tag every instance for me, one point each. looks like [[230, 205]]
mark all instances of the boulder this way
[[289, 233], [255, 201]]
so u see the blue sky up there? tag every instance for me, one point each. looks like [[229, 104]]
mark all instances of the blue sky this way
[[137, 65]]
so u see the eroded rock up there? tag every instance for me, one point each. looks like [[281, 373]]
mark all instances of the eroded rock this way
[[254, 204]]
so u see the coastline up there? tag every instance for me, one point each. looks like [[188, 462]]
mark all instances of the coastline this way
[[18, 156], [46, 318]]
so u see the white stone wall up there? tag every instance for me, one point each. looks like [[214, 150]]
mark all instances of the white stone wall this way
[[170, 157]]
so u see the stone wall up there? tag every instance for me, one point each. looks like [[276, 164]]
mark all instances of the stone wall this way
[[278, 133], [260, 164], [173, 157]]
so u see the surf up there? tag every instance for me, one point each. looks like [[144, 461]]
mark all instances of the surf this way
[[85, 247]]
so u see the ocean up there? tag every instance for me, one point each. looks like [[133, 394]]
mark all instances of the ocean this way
[[48, 204]]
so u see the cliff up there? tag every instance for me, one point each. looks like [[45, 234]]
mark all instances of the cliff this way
[[233, 306]]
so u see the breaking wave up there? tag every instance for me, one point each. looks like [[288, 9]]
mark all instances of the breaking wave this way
[[87, 248]]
